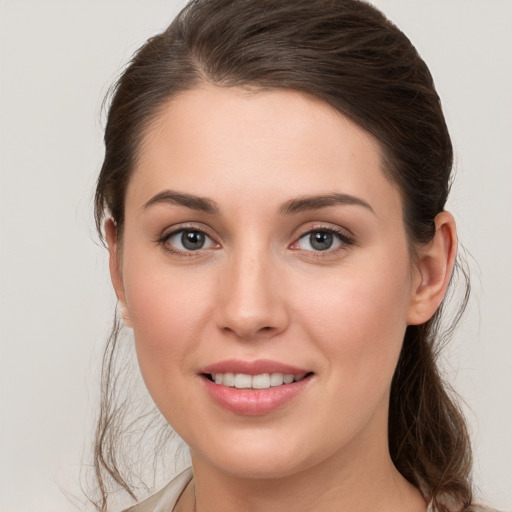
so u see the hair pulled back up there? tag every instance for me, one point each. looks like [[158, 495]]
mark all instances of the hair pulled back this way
[[346, 53]]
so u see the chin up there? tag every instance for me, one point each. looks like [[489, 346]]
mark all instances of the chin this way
[[263, 457], [272, 468]]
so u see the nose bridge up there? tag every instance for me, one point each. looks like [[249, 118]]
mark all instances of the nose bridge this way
[[251, 304]]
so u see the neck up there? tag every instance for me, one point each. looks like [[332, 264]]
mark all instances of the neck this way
[[355, 479], [302, 494]]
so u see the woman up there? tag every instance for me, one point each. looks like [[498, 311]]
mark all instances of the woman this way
[[273, 197]]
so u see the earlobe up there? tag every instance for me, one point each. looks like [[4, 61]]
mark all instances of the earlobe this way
[[434, 267], [115, 270]]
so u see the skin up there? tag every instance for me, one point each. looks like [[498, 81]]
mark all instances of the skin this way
[[258, 289]]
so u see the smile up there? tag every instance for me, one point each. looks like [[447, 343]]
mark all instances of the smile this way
[[261, 381]]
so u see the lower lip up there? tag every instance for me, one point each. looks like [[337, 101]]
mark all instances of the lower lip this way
[[254, 402]]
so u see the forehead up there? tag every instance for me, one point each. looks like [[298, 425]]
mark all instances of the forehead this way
[[213, 141]]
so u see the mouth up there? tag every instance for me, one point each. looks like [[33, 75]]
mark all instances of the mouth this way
[[259, 381], [257, 387]]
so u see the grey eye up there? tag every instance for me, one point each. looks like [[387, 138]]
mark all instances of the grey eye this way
[[190, 240], [319, 240]]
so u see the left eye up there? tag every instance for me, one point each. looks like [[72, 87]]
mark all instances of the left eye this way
[[189, 240], [319, 240]]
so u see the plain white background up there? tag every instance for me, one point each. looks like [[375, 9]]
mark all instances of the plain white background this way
[[57, 59]]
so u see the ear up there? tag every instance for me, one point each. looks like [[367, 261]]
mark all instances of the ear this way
[[434, 266], [115, 270]]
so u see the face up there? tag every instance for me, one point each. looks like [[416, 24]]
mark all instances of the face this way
[[264, 248]]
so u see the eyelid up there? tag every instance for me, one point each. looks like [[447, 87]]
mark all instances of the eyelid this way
[[179, 228], [344, 235], [346, 240]]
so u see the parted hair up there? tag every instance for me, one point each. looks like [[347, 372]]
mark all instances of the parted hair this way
[[349, 55]]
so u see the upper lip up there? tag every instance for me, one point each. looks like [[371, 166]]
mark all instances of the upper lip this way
[[256, 367]]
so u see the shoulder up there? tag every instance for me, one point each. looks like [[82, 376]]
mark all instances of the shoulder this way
[[473, 508], [165, 498]]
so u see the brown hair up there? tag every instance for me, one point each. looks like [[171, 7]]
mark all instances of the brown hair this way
[[346, 53]]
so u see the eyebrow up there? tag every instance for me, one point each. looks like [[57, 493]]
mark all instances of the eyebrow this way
[[296, 205], [201, 204], [305, 203]]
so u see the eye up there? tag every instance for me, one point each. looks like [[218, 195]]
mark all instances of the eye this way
[[319, 240], [186, 240]]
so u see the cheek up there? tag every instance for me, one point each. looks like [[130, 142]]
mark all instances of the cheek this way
[[358, 325], [359, 320], [167, 311]]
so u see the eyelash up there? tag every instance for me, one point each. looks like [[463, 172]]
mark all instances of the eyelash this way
[[163, 241], [345, 241]]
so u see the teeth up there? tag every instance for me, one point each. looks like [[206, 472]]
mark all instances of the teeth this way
[[228, 379], [276, 379], [262, 381], [288, 379], [243, 381]]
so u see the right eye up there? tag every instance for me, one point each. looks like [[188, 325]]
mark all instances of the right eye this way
[[320, 240], [188, 240]]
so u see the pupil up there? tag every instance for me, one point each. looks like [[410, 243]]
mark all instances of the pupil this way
[[192, 240], [321, 240]]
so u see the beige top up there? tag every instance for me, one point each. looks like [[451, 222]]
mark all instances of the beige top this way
[[165, 499]]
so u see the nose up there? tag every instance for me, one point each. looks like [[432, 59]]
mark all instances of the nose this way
[[251, 303]]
